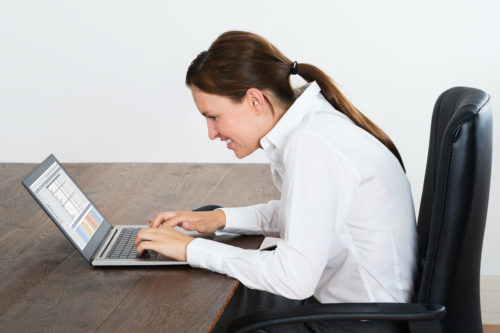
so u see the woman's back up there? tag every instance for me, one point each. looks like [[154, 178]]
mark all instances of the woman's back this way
[[372, 256]]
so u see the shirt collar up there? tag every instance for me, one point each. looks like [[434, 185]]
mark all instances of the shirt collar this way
[[292, 118]]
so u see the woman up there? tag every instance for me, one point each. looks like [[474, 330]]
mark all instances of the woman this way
[[345, 216]]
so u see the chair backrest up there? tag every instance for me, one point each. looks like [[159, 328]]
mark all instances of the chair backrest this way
[[454, 204]]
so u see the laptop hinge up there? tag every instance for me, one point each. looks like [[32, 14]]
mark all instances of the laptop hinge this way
[[113, 231]]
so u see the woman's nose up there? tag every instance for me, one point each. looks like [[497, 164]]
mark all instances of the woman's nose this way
[[212, 133]]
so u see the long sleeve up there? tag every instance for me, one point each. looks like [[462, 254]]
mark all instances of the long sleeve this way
[[261, 219], [317, 187]]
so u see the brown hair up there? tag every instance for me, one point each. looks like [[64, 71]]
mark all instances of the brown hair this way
[[239, 60]]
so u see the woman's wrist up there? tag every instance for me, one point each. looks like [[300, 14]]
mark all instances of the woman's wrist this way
[[220, 218], [186, 248]]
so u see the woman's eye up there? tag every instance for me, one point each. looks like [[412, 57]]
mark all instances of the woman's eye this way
[[212, 117]]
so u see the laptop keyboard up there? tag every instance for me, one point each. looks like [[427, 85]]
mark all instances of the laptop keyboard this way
[[124, 248]]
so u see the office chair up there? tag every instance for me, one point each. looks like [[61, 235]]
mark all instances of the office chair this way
[[450, 226]]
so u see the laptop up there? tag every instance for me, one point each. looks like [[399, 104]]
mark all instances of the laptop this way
[[99, 243]]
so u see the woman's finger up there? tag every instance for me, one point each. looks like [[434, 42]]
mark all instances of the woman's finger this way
[[190, 225], [150, 234], [161, 218], [146, 245], [181, 218]]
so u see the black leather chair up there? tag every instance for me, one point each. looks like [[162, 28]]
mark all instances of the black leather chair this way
[[450, 226]]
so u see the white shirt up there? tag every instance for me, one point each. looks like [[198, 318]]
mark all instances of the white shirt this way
[[345, 216]]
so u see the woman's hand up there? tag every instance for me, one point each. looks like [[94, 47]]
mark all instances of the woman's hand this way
[[203, 222], [164, 240]]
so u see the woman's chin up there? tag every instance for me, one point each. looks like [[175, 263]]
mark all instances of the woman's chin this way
[[241, 154]]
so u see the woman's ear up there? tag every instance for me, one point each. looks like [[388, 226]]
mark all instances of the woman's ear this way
[[255, 99]]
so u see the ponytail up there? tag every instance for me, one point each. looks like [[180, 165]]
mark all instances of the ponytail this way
[[341, 103]]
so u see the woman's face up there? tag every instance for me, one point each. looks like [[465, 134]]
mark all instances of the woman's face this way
[[240, 125]]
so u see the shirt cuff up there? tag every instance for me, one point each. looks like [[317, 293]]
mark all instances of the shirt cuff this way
[[241, 220], [208, 254]]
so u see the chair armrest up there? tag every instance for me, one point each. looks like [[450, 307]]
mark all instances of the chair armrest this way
[[207, 208], [338, 311]]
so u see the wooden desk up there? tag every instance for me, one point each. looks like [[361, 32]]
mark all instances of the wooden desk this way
[[45, 285]]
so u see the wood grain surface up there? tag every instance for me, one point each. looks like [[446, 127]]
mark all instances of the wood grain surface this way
[[46, 286]]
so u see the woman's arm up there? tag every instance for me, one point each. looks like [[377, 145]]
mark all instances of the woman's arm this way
[[261, 219], [317, 189]]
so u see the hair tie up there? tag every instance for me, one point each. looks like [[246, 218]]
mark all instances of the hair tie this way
[[294, 68]]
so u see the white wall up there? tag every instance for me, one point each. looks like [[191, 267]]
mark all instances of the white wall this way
[[103, 81]]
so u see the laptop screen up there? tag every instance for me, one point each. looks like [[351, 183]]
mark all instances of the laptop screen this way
[[68, 206]]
